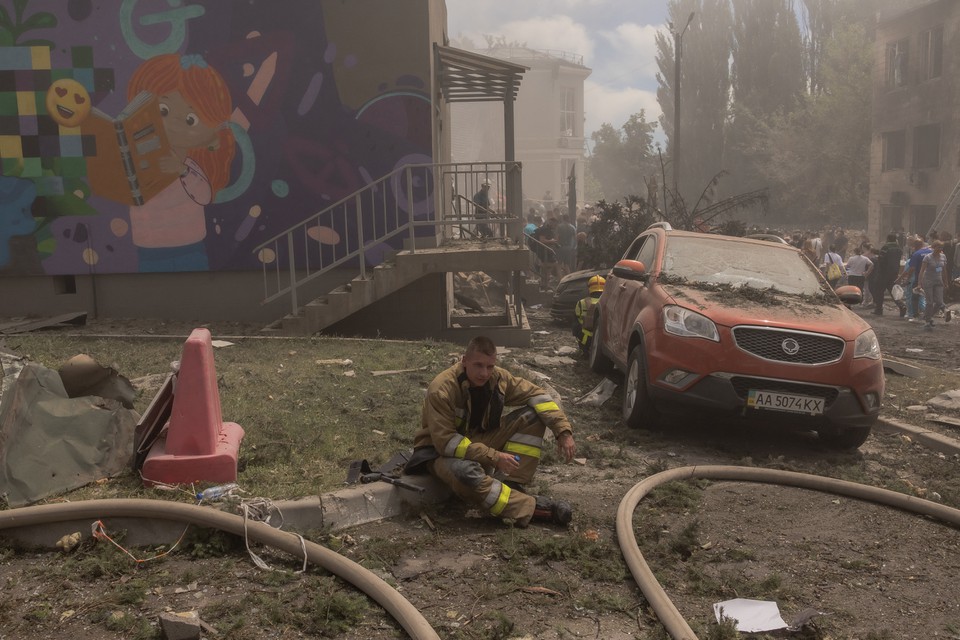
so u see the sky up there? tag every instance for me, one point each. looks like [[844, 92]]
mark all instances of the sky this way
[[615, 38]]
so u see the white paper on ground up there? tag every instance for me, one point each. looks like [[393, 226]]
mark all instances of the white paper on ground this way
[[752, 616]]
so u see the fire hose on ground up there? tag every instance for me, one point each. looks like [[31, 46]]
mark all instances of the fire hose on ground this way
[[399, 607], [665, 610], [382, 593]]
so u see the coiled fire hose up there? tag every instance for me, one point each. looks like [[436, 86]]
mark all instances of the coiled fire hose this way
[[383, 594], [668, 614]]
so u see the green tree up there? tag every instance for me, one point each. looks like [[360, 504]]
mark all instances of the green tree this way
[[623, 158], [817, 156], [767, 82], [705, 87], [615, 227]]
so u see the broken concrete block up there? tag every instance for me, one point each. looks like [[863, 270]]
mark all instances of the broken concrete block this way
[[184, 625], [946, 401]]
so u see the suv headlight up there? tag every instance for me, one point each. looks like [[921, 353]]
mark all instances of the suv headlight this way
[[867, 346], [689, 324]]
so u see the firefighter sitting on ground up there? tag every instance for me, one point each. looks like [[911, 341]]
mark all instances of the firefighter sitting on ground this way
[[583, 327], [486, 457]]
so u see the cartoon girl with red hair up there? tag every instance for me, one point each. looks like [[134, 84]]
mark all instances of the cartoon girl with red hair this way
[[168, 230]]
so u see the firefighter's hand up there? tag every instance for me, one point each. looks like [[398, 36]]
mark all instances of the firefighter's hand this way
[[566, 448], [507, 463]]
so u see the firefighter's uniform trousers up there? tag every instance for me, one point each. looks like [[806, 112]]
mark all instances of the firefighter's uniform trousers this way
[[521, 433]]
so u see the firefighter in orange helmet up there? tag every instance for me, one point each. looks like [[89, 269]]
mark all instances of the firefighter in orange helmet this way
[[583, 329]]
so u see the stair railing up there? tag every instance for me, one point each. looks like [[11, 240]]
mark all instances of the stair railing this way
[[358, 226]]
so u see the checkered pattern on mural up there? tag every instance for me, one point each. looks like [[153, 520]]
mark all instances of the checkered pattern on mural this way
[[32, 144]]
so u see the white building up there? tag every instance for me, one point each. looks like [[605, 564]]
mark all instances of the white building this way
[[549, 124]]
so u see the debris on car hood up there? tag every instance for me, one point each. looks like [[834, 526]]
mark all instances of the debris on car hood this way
[[727, 304]]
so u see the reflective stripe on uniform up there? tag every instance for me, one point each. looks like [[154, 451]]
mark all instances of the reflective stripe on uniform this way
[[497, 498], [457, 447], [524, 444], [522, 449], [543, 403]]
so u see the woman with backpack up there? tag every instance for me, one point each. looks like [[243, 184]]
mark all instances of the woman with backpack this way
[[833, 268]]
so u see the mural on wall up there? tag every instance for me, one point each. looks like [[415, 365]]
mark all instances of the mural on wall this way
[[170, 135]]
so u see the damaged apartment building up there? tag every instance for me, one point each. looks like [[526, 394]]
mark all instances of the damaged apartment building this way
[[915, 149]]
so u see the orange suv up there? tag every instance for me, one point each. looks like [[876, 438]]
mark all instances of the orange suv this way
[[738, 327]]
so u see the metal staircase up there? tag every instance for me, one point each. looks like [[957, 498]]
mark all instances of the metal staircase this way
[[416, 220], [944, 208]]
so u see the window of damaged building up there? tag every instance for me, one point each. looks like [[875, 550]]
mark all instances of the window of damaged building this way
[[894, 149], [896, 63], [931, 53], [926, 146]]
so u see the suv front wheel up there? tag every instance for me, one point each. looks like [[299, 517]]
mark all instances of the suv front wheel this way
[[638, 410]]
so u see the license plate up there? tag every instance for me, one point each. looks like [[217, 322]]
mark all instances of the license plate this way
[[785, 402]]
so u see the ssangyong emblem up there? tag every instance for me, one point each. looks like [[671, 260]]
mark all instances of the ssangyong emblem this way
[[790, 346]]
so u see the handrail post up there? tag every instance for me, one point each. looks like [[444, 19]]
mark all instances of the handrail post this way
[[363, 253], [413, 238], [293, 273]]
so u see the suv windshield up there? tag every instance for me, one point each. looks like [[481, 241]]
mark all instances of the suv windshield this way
[[714, 260]]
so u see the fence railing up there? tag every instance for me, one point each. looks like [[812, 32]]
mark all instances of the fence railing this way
[[413, 201]]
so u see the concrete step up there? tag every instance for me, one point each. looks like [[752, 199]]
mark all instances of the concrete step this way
[[349, 507], [401, 269]]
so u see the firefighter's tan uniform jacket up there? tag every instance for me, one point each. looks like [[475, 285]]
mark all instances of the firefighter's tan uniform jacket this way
[[450, 445], [446, 413]]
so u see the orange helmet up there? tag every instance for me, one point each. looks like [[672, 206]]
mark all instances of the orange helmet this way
[[596, 283]]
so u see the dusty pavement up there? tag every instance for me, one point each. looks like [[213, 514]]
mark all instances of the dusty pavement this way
[[870, 572]]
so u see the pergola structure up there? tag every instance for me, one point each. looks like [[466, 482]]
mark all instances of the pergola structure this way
[[465, 76]]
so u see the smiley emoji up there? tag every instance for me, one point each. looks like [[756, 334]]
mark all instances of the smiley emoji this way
[[68, 102]]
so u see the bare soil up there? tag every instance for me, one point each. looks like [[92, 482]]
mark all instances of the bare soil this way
[[869, 572]]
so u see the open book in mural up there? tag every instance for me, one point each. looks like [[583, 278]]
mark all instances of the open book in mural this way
[[126, 167]]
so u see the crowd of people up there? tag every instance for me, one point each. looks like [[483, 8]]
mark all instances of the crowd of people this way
[[919, 273], [555, 241]]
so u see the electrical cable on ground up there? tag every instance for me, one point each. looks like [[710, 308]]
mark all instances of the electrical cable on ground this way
[[668, 614], [383, 594]]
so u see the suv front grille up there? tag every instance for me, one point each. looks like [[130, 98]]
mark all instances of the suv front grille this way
[[776, 345], [742, 386]]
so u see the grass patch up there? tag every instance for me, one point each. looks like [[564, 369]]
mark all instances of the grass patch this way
[[603, 602], [132, 592], [598, 561], [304, 421], [679, 496], [684, 543], [39, 613]]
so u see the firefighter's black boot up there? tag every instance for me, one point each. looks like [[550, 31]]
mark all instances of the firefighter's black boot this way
[[550, 510]]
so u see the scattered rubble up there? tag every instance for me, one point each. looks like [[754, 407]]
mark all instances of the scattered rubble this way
[[946, 401], [180, 626]]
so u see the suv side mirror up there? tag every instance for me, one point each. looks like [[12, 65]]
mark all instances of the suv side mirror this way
[[630, 270], [849, 295]]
